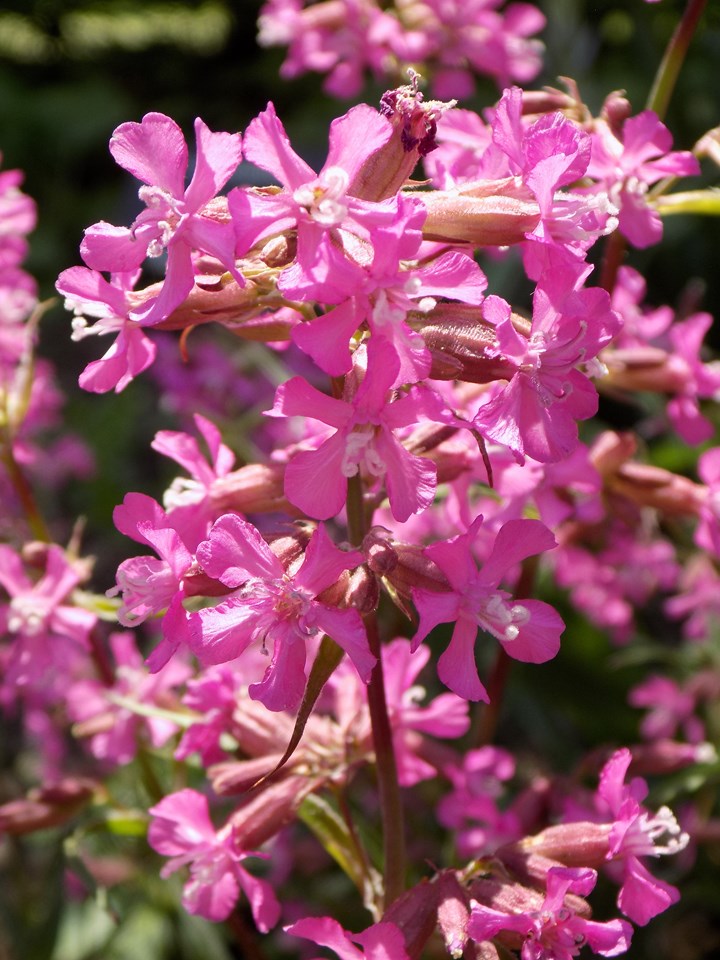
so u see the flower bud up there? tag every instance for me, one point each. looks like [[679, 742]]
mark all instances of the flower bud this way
[[453, 915], [644, 368], [289, 548], [486, 213], [643, 484], [668, 756], [379, 552], [44, 807], [414, 124], [415, 569], [414, 914], [457, 337], [615, 111], [270, 808], [256, 488], [356, 588], [224, 301], [580, 844], [536, 103]]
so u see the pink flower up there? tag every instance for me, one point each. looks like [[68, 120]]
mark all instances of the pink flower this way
[[386, 291], [363, 439], [536, 413], [467, 38], [176, 219], [277, 605], [340, 39], [187, 501], [149, 585], [88, 293], [707, 534], [114, 730], [181, 829], [45, 629], [670, 707], [382, 941], [528, 631], [18, 216], [554, 932], [474, 809], [318, 206], [626, 164], [636, 833], [445, 716], [214, 697]]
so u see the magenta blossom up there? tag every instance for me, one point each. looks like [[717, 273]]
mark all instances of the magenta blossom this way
[[627, 165], [276, 605], [149, 585], [45, 630], [387, 289], [554, 931], [319, 206], [382, 941], [536, 413], [188, 500], [637, 833], [181, 829], [528, 631], [89, 294], [113, 730], [176, 219], [364, 440]]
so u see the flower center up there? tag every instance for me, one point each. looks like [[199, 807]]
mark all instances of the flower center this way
[[323, 200], [28, 615]]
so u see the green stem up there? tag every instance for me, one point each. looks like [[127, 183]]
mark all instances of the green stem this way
[[390, 799], [669, 69], [613, 257], [25, 495]]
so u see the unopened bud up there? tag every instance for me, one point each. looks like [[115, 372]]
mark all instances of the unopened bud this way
[[415, 569], [458, 338], [271, 808], [35, 554], [379, 551], [356, 588], [535, 103], [646, 369], [485, 213], [414, 914], [256, 488], [709, 146], [644, 484], [278, 251], [45, 807], [615, 111], [453, 915], [222, 302], [668, 756], [289, 548], [580, 844]]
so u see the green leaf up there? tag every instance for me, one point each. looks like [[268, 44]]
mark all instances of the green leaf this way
[[335, 835], [691, 201], [85, 930], [328, 657]]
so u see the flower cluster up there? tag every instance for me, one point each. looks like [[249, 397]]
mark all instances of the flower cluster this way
[[421, 472], [451, 41]]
